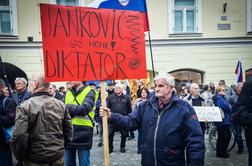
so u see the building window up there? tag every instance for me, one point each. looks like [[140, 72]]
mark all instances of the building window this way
[[69, 2], [185, 16], [249, 13], [8, 18]]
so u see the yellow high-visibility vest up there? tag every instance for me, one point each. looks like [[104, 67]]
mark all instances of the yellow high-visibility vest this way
[[82, 120]]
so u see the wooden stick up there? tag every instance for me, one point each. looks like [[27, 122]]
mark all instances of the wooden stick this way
[[105, 126]]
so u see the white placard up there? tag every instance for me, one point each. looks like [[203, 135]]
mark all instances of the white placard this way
[[208, 114]]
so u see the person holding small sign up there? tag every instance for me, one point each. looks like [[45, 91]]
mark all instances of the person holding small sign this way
[[169, 127], [196, 100]]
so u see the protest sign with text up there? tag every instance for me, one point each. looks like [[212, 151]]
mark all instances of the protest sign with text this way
[[92, 44], [208, 114]]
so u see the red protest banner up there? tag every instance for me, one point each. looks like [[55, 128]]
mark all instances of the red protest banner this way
[[92, 44]]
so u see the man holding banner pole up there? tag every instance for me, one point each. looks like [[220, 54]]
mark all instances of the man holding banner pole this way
[[102, 44], [169, 124]]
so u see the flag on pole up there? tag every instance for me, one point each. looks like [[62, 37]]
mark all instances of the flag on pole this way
[[238, 72], [134, 5]]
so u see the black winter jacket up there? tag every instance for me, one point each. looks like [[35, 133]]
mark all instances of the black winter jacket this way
[[244, 104], [243, 115], [119, 104], [7, 117]]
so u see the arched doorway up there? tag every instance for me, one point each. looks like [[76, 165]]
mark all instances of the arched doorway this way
[[12, 73], [248, 74], [183, 76]]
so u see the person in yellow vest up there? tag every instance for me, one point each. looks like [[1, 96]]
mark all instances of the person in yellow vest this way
[[81, 102]]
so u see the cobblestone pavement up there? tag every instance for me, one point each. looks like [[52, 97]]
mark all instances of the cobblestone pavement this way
[[131, 158]]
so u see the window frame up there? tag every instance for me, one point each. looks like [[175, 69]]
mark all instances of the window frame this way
[[12, 8], [198, 17], [249, 16], [80, 2]]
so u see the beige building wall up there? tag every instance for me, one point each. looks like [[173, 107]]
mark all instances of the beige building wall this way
[[236, 16], [216, 62], [29, 19], [29, 60], [211, 16]]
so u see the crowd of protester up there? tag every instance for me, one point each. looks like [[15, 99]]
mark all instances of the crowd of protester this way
[[80, 104]]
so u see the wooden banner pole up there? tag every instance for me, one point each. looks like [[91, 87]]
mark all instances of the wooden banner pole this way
[[105, 126]]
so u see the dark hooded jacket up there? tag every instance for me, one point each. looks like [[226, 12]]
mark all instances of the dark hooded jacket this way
[[7, 117], [167, 132]]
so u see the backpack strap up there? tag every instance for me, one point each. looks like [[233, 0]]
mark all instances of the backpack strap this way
[[93, 123]]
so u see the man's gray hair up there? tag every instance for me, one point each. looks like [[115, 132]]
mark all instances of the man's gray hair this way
[[119, 85], [169, 78], [21, 79], [41, 79]]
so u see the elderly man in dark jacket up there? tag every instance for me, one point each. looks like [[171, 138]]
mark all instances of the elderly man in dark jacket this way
[[21, 93], [243, 115], [195, 99], [169, 127], [42, 128], [118, 103]]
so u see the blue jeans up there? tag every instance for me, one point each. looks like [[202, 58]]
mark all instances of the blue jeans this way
[[83, 155], [139, 141], [238, 136], [6, 158]]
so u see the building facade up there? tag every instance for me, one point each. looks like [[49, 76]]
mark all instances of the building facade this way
[[195, 40]]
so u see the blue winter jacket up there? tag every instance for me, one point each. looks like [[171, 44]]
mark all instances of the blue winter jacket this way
[[20, 98], [168, 134], [221, 101]]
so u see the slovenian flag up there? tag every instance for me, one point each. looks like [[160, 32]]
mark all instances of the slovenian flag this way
[[134, 5], [238, 72]]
